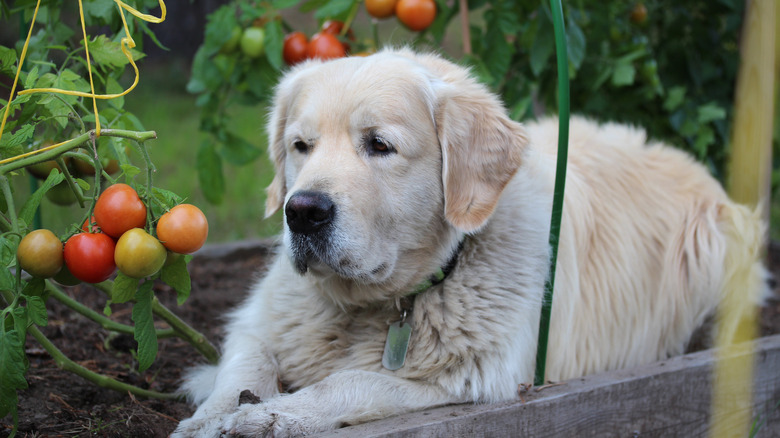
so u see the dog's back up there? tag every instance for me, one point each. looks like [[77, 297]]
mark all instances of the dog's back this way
[[650, 246]]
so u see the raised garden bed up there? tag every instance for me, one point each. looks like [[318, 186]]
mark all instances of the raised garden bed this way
[[670, 398]]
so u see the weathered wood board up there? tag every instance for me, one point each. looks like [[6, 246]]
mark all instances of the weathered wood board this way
[[671, 398]]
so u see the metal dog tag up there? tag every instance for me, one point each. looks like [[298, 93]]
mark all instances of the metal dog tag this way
[[398, 335]]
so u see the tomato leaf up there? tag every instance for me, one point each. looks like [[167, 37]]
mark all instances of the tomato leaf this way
[[13, 366], [34, 287], [28, 209], [125, 288], [274, 43], [176, 276], [144, 332], [36, 310], [109, 53], [212, 180]]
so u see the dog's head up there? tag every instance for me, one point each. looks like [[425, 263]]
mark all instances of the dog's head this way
[[381, 161]]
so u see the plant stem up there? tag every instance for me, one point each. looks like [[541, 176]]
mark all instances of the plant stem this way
[[65, 363], [9, 201], [108, 324], [184, 330], [73, 144]]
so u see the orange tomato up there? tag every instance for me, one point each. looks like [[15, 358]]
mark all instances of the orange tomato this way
[[417, 15], [380, 8], [325, 46]]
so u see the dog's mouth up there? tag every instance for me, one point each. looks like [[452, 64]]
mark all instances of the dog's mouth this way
[[312, 255]]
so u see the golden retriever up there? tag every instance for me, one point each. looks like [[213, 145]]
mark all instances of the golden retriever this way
[[398, 166]]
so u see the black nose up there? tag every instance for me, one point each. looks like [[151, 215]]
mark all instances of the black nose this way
[[307, 212]]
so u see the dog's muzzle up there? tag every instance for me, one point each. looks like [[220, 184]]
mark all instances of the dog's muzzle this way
[[309, 215]]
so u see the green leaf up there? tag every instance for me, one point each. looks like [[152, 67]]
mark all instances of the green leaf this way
[[28, 209], [704, 139], [167, 197], [34, 287], [32, 77], [13, 366], [7, 59], [36, 309], [238, 151], [144, 332], [576, 44], [129, 171], [109, 53], [125, 288], [543, 46], [18, 138], [710, 112], [333, 9], [113, 87], [623, 75], [102, 10], [274, 43], [219, 28], [212, 180], [284, 4], [675, 98], [176, 276], [8, 245]]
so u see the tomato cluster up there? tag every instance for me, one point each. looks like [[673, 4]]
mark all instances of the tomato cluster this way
[[114, 237], [417, 15], [325, 44]]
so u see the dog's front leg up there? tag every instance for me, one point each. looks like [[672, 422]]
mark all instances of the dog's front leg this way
[[245, 366], [346, 397]]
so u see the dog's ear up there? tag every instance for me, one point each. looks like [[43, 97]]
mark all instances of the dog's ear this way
[[481, 146], [283, 96]]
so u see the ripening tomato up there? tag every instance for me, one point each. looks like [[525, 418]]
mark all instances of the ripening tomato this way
[[40, 253], [294, 50], [325, 46], [639, 13], [119, 209], [380, 8], [90, 256], [138, 254], [417, 15], [183, 229]]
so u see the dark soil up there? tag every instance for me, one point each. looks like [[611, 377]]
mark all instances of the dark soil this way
[[58, 403]]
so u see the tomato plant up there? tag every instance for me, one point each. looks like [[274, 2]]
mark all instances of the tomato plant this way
[[183, 229], [90, 256], [138, 254], [119, 209], [40, 253], [87, 138]]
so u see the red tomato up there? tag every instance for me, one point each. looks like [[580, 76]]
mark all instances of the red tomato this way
[[417, 15], [325, 46], [183, 229], [294, 50], [90, 256], [119, 209]]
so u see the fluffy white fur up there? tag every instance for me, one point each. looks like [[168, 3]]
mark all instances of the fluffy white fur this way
[[650, 245]]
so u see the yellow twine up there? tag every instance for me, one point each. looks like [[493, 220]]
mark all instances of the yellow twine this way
[[126, 44]]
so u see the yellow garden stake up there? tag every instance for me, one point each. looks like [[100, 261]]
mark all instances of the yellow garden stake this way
[[749, 183]]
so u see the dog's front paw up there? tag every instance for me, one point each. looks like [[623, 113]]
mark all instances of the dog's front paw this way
[[253, 420], [199, 427]]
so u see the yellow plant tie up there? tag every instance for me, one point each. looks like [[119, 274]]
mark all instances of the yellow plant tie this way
[[127, 43]]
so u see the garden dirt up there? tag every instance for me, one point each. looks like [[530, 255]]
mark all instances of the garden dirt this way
[[60, 404]]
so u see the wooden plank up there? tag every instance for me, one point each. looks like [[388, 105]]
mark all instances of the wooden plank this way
[[668, 398]]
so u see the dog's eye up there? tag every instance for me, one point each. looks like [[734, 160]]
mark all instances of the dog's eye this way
[[301, 146], [378, 146]]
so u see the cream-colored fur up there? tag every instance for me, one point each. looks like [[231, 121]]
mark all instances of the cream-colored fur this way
[[650, 245]]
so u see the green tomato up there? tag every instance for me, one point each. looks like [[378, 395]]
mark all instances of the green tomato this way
[[253, 42], [40, 253], [61, 194], [138, 254], [231, 44]]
